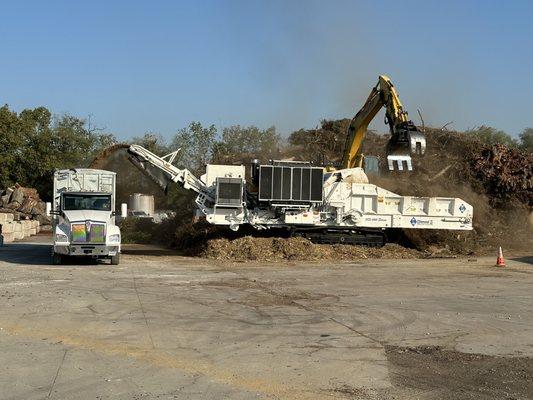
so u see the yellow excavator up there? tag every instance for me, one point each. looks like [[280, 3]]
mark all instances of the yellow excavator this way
[[406, 139]]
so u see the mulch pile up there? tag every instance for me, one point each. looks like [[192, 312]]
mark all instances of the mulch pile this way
[[296, 249]]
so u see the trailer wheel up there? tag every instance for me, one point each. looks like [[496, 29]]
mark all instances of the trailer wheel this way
[[115, 260], [57, 259]]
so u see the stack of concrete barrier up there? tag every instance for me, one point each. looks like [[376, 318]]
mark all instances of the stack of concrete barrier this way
[[6, 220], [16, 230]]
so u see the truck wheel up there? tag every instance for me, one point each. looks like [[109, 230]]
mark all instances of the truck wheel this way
[[57, 259], [115, 260]]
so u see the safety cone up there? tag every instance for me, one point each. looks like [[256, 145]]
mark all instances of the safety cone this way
[[500, 262]]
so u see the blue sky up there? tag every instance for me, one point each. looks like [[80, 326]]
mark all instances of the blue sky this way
[[139, 66]]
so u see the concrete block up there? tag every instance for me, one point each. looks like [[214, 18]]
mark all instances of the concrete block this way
[[8, 227], [6, 217], [18, 232], [8, 237]]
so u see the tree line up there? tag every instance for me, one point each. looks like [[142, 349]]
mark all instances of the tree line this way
[[34, 142]]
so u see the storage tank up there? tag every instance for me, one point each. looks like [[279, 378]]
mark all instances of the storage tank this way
[[141, 202]]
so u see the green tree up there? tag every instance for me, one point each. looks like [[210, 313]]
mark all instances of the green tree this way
[[322, 145], [241, 144], [526, 140], [196, 143], [11, 141], [153, 142], [33, 143], [490, 136]]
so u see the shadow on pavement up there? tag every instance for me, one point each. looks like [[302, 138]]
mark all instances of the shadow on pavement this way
[[37, 253], [37, 250], [26, 253], [148, 250], [525, 259]]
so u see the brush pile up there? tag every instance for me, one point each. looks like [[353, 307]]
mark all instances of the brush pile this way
[[506, 174], [495, 179]]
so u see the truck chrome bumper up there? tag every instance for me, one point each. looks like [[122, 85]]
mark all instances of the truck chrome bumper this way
[[94, 250]]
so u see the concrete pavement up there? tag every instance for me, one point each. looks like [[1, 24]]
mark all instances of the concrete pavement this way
[[162, 326]]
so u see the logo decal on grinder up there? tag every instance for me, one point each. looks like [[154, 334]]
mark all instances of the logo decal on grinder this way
[[413, 221]]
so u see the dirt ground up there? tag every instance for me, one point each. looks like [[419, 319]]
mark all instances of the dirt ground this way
[[163, 326]]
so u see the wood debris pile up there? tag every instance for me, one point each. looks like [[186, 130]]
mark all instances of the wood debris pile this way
[[23, 203], [506, 173]]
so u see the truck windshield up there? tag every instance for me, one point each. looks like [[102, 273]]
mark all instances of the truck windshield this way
[[99, 202]]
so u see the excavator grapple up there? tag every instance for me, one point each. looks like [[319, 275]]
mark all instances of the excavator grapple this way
[[405, 141]]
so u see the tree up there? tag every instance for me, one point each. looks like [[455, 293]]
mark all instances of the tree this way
[[241, 144], [11, 141], [153, 142], [196, 143], [490, 136], [322, 145], [33, 143], [526, 140]]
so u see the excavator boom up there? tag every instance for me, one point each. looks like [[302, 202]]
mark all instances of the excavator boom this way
[[405, 140]]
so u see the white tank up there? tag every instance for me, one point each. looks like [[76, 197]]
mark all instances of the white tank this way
[[141, 202]]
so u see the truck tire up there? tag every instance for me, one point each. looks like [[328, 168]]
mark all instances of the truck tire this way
[[115, 260], [57, 259]]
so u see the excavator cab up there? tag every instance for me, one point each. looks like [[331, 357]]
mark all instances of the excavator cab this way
[[406, 142]]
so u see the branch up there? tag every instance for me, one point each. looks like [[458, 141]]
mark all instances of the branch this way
[[445, 126]]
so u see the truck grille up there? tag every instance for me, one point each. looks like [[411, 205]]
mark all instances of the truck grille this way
[[88, 233]]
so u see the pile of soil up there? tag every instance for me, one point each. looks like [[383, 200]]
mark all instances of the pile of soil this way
[[296, 249]]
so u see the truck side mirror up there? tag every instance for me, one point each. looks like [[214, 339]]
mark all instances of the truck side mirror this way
[[48, 208]]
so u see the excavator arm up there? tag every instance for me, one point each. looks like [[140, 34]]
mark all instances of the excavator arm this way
[[405, 139]]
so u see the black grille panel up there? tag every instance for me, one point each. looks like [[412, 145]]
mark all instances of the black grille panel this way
[[229, 191], [286, 184]]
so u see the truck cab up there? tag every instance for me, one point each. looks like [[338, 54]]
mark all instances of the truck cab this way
[[84, 216]]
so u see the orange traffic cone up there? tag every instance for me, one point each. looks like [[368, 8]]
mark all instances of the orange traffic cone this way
[[500, 262]]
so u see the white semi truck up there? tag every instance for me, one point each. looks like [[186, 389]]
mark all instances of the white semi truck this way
[[83, 211]]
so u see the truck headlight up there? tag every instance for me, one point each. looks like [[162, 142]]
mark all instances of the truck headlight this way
[[61, 238], [114, 238]]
